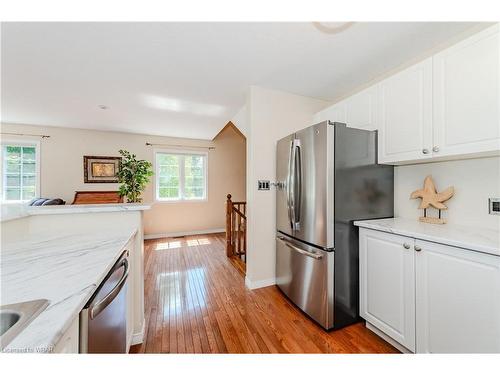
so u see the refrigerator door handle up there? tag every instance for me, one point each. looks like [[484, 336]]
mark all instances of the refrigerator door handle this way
[[299, 250], [297, 195], [289, 187]]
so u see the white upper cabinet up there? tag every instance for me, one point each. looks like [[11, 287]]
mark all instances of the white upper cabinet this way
[[447, 106], [405, 128], [357, 111], [466, 96], [458, 300], [361, 109], [334, 113]]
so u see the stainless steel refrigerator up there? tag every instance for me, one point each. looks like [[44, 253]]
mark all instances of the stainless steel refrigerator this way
[[327, 177]]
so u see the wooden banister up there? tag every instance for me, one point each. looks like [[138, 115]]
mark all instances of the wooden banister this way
[[236, 221], [229, 209]]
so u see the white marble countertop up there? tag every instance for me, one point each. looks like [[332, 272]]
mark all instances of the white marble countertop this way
[[66, 270], [18, 211], [478, 239]]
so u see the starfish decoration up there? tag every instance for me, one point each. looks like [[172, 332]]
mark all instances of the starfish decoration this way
[[430, 197]]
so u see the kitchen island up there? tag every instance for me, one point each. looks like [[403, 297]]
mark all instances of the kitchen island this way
[[64, 269], [62, 254]]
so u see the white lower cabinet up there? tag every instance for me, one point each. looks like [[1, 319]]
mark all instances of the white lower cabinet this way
[[387, 285], [429, 297], [131, 286], [457, 300], [70, 340]]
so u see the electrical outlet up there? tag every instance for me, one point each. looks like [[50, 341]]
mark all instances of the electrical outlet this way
[[494, 206], [264, 185]]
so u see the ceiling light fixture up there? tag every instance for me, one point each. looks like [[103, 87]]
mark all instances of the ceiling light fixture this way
[[332, 27], [102, 106]]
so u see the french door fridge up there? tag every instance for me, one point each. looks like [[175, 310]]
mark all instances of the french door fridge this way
[[327, 177]]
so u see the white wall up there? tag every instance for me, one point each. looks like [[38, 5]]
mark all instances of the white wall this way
[[240, 120], [475, 180], [62, 172], [271, 115]]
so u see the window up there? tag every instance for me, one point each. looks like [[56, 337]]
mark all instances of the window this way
[[20, 171], [181, 176]]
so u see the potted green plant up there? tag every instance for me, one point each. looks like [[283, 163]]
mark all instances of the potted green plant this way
[[133, 175]]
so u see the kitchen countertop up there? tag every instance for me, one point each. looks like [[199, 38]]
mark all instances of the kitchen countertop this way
[[18, 211], [66, 270], [478, 239]]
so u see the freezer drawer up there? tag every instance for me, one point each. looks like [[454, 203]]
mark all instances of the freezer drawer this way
[[305, 275]]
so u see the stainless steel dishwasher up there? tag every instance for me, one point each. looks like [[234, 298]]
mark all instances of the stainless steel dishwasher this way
[[103, 321]]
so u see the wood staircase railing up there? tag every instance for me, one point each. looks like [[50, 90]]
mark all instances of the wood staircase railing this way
[[236, 228]]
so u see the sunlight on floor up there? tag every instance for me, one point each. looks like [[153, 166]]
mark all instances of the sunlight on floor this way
[[166, 245], [176, 285], [198, 242]]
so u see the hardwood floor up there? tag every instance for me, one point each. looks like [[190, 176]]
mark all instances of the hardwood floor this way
[[196, 302]]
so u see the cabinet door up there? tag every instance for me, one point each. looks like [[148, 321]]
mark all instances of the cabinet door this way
[[69, 343], [335, 112], [458, 300], [467, 96], [130, 294], [387, 284], [405, 110], [360, 109]]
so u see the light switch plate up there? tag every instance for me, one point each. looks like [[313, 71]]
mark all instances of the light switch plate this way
[[494, 206], [264, 185]]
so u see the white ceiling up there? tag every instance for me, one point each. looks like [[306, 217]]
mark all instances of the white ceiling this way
[[188, 79]]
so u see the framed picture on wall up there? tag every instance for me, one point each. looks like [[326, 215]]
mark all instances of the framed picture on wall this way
[[101, 169]]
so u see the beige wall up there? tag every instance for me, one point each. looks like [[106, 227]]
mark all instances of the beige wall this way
[[62, 172], [270, 116]]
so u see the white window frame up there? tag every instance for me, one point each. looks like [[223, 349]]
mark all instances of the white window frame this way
[[3, 167], [181, 175]]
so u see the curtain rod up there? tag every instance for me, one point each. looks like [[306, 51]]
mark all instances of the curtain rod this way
[[27, 135], [182, 146]]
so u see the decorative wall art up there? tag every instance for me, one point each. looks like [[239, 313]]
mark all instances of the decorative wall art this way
[[430, 197], [101, 169]]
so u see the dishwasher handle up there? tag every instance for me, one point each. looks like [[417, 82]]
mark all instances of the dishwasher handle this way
[[96, 308]]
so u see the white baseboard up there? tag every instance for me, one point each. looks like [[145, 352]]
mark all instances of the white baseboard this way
[[259, 283], [180, 234], [138, 338], [390, 340]]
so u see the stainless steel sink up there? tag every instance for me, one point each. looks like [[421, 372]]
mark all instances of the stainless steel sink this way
[[7, 320], [15, 317]]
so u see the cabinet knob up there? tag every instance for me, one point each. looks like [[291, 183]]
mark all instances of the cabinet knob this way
[[425, 151], [406, 246], [417, 248], [435, 149]]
